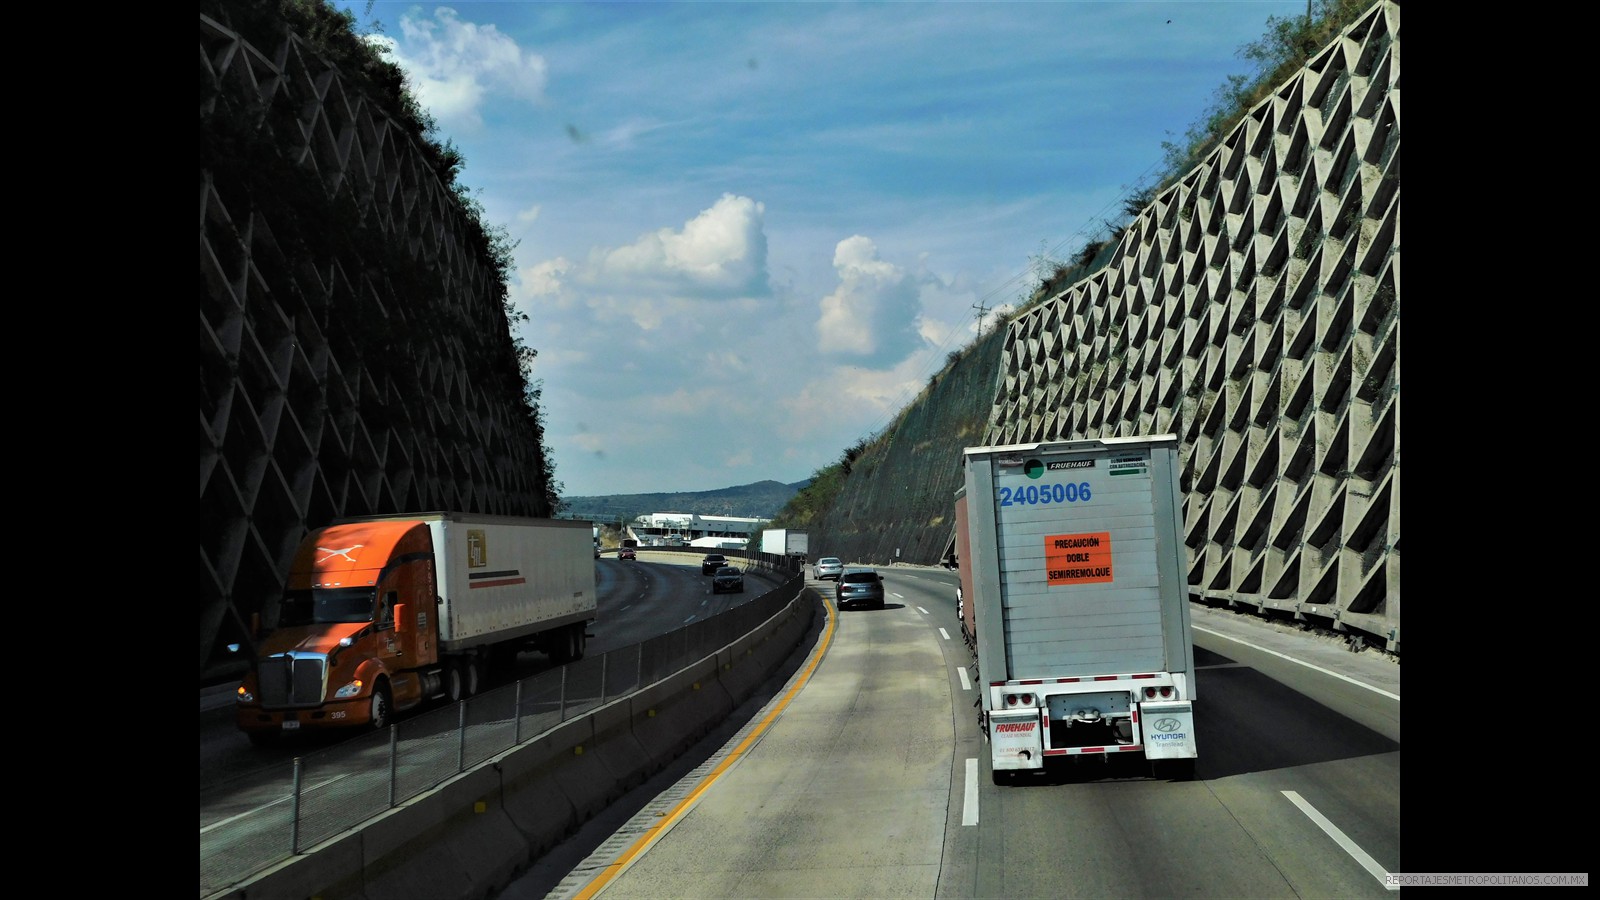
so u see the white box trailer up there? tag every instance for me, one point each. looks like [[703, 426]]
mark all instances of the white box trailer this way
[[503, 578], [785, 542], [1079, 602]]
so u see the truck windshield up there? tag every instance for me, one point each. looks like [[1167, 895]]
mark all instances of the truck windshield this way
[[308, 607]]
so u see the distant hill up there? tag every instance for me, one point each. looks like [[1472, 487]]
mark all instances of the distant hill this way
[[760, 500]]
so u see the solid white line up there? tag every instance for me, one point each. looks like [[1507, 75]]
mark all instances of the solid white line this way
[[1349, 846], [944, 634], [1369, 687], [969, 806], [250, 812], [966, 684]]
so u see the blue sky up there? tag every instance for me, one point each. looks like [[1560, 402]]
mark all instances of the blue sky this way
[[748, 233]]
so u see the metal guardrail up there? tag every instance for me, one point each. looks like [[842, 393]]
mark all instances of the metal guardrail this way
[[334, 790]]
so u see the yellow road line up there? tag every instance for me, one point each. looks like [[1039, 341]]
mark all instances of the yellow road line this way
[[635, 850]]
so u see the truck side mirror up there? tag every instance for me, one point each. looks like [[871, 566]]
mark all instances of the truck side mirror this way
[[402, 618]]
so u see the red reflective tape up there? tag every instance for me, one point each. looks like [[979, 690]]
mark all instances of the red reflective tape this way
[[498, 583]]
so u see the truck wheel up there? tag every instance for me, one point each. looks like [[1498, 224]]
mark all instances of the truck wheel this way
[[472, 671], [382, 707], [579, 640], [455, 682], [567, 645]]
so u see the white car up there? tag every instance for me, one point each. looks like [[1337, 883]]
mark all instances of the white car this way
[[828, 567]]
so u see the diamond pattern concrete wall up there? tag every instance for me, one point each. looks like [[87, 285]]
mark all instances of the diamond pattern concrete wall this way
[[339, 374], [1253, 309]]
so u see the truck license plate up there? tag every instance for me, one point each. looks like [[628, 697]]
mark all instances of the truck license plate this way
[[291, 724]]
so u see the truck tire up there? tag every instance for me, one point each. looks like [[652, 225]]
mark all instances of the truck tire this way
[[567, 645], [455, 682], [382, 706]]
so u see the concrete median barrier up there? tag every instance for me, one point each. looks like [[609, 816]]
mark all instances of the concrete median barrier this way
[[670, 716], [538, 789], [467, 838]]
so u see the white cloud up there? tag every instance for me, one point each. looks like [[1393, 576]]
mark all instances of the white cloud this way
[[454, 67], [722, 252], [872, 314]]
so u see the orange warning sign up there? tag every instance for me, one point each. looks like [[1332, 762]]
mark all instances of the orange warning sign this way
[[1078, 558]]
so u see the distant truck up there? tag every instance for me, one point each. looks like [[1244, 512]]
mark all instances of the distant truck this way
[[784, 542], [1074, 589], [384, 613]]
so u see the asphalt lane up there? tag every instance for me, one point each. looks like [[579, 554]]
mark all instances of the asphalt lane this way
[[867, 756]]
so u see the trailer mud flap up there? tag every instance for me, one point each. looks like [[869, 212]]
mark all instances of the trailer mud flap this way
[[1016, 741], [1168, 730]]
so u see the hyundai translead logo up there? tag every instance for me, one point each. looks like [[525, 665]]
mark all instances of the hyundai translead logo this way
[[1166, 725], [1023, 727]]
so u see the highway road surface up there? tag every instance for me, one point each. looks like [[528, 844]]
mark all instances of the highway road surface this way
[[865, 775]]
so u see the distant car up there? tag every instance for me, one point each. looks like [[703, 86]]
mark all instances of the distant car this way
[[627, 553], [727, 580], [712, 563], [859, 587], [827, 567]]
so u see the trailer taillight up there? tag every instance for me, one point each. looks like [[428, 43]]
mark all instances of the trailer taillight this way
[[1164, 692], [1019, 699]]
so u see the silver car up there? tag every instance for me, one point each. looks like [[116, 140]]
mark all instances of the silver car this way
[[859, 587], [827, 567]]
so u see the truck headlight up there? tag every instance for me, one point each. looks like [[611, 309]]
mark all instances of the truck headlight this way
[[352, 689]]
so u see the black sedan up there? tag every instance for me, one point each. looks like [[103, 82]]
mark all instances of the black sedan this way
[[727, 580]]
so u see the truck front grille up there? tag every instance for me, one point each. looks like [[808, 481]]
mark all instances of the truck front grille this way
[[290, 680]]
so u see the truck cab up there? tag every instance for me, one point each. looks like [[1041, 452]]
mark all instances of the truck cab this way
[[356, 619]]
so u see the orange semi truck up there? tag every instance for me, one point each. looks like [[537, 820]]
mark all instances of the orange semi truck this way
[[384, 613]]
